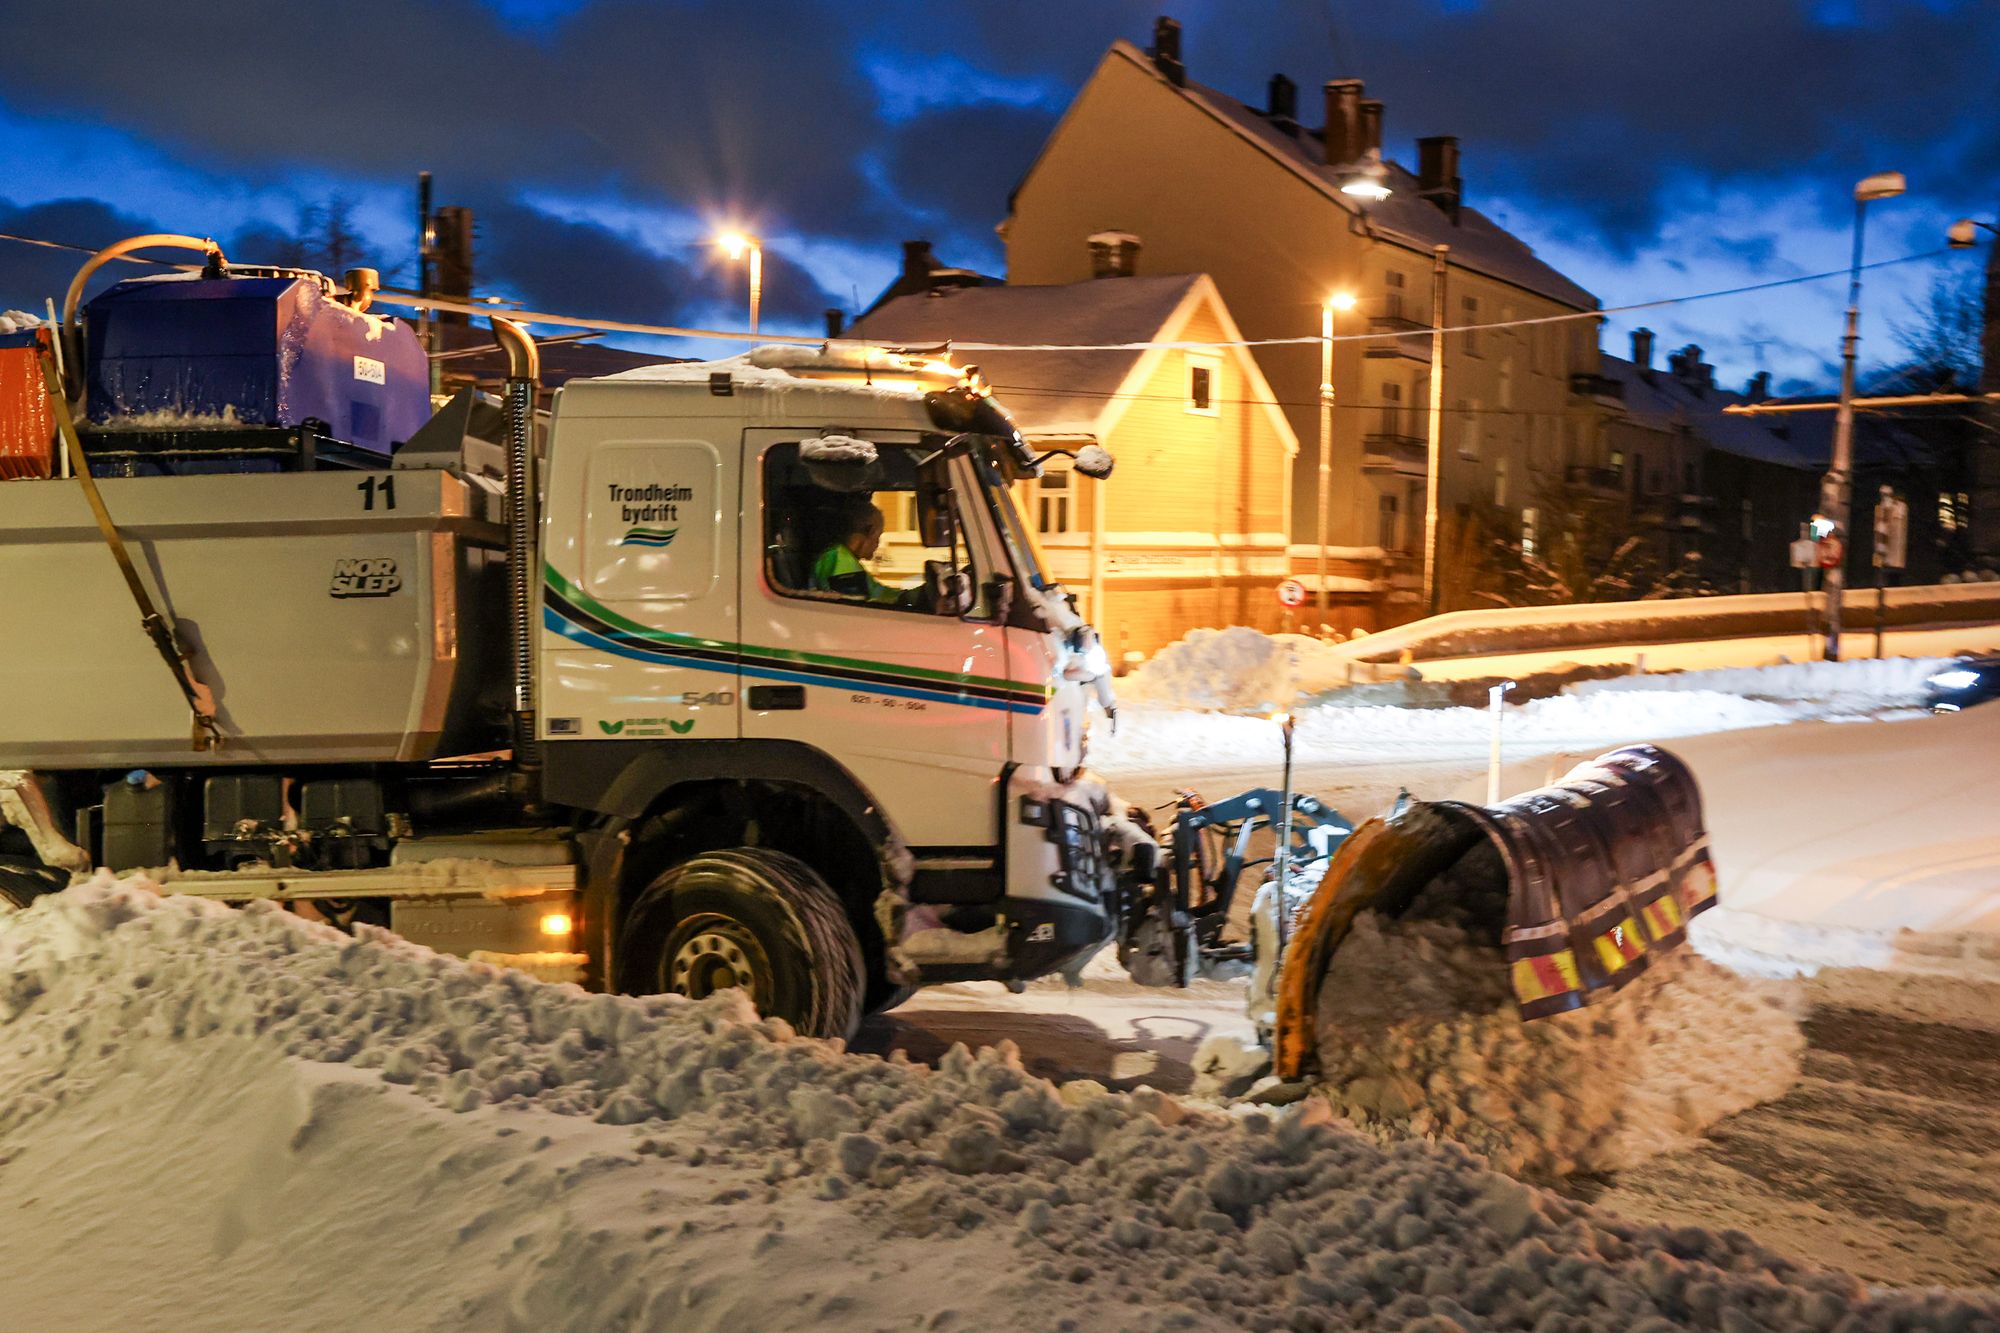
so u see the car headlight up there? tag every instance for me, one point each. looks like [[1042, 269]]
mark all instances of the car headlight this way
[[1960, 679]]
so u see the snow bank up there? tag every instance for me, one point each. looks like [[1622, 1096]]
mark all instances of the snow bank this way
[[1234, 670], [627, 1162], [1862, 683], [1155, 739], [1420, 1037]]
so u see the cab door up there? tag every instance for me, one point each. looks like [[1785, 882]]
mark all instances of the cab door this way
[[638, 595], [916, 705]]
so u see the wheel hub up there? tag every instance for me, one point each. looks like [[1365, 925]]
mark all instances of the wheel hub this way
[[717, 954]]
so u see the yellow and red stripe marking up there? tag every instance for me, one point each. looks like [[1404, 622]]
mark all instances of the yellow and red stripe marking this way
[[1545, 976]]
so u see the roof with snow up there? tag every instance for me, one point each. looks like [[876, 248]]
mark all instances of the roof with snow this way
[[1477, 242], [1665, 400], [1047, 392]]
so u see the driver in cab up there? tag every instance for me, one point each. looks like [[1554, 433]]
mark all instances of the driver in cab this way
[[839, 568]]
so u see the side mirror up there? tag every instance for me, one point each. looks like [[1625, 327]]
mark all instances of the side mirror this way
[[1095, 461], [947, 588]]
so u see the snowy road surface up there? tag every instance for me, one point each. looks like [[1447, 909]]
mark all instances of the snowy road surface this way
[[241, 1120]]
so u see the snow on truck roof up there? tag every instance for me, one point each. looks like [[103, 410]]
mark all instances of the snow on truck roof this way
[[841, 367]]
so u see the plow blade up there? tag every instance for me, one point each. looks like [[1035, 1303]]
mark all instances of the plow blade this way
[[1578, 883]]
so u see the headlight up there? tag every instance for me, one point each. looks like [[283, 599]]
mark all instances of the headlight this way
[[1954, 680]]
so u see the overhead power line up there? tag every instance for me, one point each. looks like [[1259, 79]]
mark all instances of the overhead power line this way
[[418, 301]]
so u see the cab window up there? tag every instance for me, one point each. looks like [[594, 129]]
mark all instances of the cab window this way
[[854, 533]]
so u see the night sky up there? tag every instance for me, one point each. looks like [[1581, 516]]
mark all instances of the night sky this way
[[1646, 149]]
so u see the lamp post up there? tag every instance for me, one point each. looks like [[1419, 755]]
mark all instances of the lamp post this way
[[736, 244], [1338, 301], [1834, 487], [1434, 431]]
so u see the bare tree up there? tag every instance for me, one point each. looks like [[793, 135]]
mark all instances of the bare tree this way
[[1940, 334]]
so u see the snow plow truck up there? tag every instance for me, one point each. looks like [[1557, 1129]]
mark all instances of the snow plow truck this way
[[742, 673]]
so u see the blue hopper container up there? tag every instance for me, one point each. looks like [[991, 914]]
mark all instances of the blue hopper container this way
[[191, 353]]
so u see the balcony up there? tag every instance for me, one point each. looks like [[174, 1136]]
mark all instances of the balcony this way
[[1602, 480], [1412, 344], [1603, 388], [1397, 455]]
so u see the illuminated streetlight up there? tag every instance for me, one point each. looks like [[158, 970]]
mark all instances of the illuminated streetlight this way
[[1833, 488], [736, 244], [1369, 179], [1336, 302]]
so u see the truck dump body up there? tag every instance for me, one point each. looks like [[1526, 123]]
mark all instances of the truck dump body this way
[[340, 617]]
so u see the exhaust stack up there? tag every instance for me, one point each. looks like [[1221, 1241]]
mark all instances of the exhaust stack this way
[[524, 377]]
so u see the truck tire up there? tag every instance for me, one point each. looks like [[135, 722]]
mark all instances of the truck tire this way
[[23, 879], [750, 918]]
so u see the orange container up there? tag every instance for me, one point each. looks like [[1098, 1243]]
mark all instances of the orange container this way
[[27, 430]]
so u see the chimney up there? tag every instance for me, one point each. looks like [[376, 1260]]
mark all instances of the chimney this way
[[1688, 367], [1371, 127], [1167, 50], [1759, 387], [1114, 254], [1343, 122], [918, 261], [836, 321], [1437, 173], [1284, 110], [1642, 349]]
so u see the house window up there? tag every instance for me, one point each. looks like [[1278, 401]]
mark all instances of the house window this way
[[1947, 512], [1202, 375], [1530, 531], [1053, 502], [1385, 532], [1500, 481], [1392, 296], [1468, 310], [1468, 429], [1617, 461]]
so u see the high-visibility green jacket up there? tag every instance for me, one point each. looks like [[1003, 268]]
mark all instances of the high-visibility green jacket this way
[[839, 570]]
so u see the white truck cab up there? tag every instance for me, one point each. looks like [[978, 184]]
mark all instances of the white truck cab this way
[[788, 603]]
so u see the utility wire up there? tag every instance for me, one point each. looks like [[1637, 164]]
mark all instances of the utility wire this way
[[418, 301]]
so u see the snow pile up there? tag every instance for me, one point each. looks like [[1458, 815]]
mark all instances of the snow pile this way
[[19, 321], [836, 449], [1094, 460], [1860, 683], [1156, 739], [622, 1162], [1234, 670], [1420, 1037]]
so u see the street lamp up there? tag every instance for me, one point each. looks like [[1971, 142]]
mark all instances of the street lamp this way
[[735, 244], [1368, 179], [1964, 233], [1337, 301], [1833, 488]]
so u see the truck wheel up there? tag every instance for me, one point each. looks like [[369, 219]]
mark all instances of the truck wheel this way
[[23, 880], [750, 918]]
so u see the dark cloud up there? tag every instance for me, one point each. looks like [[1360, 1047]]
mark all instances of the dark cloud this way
[[551, 263], [29, 275], [1589, 117]]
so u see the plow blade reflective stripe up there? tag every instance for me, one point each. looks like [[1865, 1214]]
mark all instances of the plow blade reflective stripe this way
[[1663, 921], [1619, 947], [1697, 887], [1547, 984]]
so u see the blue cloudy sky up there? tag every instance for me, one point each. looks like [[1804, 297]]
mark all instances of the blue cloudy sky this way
[[1647, 149]]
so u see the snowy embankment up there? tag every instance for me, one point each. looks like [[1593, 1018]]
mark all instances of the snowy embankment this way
[[235, 1119]]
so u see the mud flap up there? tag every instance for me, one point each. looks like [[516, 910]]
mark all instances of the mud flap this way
[[1578, 882]]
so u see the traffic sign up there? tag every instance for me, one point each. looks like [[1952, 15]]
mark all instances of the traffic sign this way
[[1830, 551], [1291, 593]]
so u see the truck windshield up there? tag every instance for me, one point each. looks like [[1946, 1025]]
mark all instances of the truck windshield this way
[[1023, 551]]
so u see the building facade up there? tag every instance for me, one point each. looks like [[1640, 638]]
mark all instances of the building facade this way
[[1189, 531], [1193, 180]]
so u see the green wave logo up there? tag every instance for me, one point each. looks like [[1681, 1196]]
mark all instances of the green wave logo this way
[[652, 537]]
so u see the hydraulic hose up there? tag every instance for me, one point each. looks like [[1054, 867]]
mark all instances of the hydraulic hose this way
[[524, 373], [71, 335]]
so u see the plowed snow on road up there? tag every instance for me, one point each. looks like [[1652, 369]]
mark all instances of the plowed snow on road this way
[[228, 1119]]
